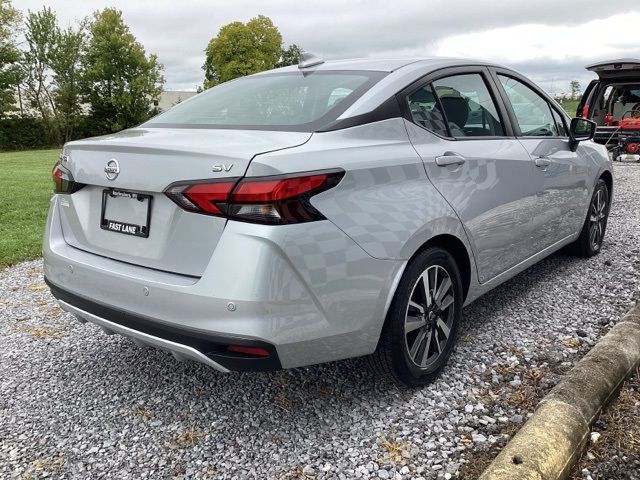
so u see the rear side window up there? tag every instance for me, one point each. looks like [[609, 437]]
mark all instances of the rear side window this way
[[532, 111], [425, 110], [468, 106]]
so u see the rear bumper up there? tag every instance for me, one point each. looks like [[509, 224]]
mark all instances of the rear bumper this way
[[306, 293], [182, 343]]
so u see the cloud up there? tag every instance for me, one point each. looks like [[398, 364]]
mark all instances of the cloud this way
[[539, 36]]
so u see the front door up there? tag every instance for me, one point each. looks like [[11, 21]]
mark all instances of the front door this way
[[561, 174]]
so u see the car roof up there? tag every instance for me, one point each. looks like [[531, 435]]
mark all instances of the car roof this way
[[386, 64]]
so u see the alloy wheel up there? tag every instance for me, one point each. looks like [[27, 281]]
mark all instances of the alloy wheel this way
[[597, 219], [429, 317]]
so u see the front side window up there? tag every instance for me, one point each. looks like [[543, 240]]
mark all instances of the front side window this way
[[468, 106], [286, 101], [532, 111], [560, 124]]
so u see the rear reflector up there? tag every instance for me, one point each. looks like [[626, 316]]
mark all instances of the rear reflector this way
[[271, 200], [254, 351]]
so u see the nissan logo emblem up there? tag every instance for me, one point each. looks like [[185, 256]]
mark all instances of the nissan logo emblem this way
[[112, 169]]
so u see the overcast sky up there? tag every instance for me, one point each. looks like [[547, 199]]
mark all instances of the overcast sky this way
[[549, 40]]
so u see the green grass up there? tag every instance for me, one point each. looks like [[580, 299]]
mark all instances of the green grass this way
[[25, 190], [570, 107]]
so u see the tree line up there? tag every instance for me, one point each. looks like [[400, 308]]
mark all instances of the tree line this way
[[95, 77]]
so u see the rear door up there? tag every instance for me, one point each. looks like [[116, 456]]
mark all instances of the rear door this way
[[560, 173], [471, 157]]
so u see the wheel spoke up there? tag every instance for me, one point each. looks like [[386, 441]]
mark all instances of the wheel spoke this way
[[438, 343], [414, 323], [443, 328], [416, 344], [425, 287], [444, 288], [417, 306], [592, 233], [448, 300], [434, 284], [425, 352]]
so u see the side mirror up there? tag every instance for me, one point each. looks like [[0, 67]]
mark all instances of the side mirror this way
[[580, 130]]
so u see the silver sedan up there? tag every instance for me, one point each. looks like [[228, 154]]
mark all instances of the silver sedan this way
[[323, 211]]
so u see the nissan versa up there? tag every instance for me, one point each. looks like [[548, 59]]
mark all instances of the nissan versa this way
[[323, 211]]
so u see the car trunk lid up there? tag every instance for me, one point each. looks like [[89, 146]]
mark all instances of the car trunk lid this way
[[147, 160], [616, 69]]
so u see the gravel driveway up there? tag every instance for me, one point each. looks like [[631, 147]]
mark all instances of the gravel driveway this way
[[75, 403]]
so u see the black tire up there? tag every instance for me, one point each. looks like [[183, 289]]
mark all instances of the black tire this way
[[589, 243], [398, 355]]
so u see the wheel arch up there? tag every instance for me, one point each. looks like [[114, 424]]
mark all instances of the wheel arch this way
[[608, 179], [458, 251]]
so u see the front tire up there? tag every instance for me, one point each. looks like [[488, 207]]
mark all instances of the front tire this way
[[589, 243], [422, 322]]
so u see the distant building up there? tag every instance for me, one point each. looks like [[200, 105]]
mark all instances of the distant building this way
[[169, 98]]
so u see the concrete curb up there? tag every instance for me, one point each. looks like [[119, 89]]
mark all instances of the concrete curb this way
[[550, 442]]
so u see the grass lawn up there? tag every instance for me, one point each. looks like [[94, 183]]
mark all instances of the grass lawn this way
[[570, 106], [25, 190]]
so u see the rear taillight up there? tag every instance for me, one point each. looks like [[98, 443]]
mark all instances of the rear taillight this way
[[63, 181], [584, 113], [271, 200]]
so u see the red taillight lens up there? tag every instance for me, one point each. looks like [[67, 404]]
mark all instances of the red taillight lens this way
[[272, 200], [633, 147], [63, 180], [585, 111], [261, 190], [210, 197]]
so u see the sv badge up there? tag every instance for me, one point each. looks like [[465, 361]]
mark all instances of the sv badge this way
[[221, 167]]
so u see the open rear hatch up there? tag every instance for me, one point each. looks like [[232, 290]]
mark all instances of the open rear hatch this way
[[616, 69], [592, 105], [121, 212]]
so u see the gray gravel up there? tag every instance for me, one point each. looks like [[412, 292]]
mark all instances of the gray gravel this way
[[75, 403]]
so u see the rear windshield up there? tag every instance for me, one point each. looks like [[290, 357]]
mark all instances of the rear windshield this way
[[292, 101]]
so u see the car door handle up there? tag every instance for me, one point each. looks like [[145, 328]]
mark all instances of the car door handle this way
[[542, 162], [450, 158]]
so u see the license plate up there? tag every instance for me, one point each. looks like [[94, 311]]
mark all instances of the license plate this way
[[126, 212]]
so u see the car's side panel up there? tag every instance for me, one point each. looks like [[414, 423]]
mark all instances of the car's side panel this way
[[385, 201]]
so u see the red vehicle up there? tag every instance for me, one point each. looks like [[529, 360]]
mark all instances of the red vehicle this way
[[613, 102]]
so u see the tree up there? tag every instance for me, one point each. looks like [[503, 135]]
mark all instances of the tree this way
[[575, 88], [51, 72], [40, 32], [242, 49], [9, 56], [67, 52], [289, 56], [121, 82]]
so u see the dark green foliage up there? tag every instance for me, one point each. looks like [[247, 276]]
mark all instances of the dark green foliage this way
[[122, 83]]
